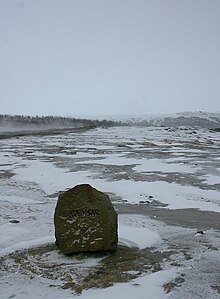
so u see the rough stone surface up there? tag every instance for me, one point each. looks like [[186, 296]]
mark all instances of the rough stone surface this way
[[85, 220]]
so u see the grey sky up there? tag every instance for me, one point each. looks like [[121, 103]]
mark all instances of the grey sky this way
[[71, 57]]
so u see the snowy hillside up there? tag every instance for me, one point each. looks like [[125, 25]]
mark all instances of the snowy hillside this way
[[189, 119], [37, 124]]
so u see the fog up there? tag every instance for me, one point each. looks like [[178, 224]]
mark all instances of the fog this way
[[83, 57]]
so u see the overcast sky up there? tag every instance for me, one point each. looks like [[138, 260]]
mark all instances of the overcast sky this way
[[81, 57]]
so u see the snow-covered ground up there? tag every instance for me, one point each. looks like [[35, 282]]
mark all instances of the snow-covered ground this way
[[146, 172]]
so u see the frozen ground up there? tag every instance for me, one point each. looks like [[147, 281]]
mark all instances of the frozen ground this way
[[165, 186]]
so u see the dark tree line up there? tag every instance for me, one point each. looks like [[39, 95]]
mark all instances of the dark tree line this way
[[55, 121]]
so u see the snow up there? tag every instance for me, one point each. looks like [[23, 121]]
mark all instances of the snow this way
[[155, 118], [22, 288], [9, 236], [212, 179], [174, 174], [148, 165], [8, 230], [50, 178], [112, 159], [17, 199], [144, 165], [148, 286], [56, 257], [137, 231]]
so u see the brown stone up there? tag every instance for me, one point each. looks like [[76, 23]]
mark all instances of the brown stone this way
[[85, 220]]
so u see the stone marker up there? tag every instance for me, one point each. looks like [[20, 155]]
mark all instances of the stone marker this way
[[85, 220]]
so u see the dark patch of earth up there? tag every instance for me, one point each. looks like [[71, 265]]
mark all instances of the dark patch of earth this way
[[189, 218]]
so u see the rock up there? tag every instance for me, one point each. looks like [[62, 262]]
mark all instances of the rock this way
[[200, 232], [85, 220], [144, 201], [14, 221]]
